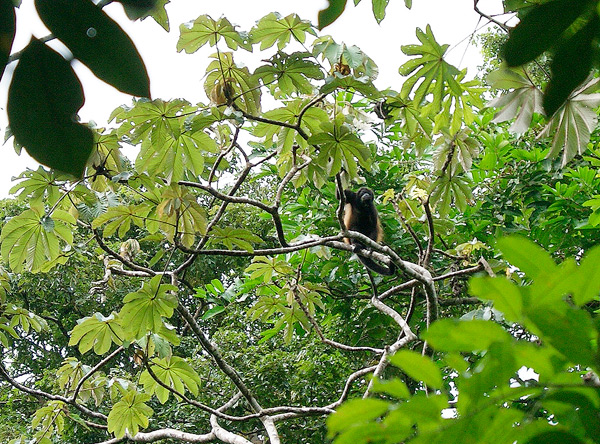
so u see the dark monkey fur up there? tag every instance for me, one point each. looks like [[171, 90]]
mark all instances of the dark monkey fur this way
[[361, 215]]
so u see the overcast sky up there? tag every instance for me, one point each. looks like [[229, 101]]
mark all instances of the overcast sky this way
[[179, 75]]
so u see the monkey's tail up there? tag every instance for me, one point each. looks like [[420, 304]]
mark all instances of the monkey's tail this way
[[377, 268]]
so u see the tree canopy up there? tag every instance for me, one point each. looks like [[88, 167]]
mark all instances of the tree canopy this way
[[203, 291]]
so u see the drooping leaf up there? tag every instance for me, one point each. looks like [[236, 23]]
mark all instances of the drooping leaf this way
[[129, 414], [174, 372], [355, 411], [245, 91], [572, 125], [43, 101], [30, 243], [7, 31], [520, 103], [97, 332], [98, 42]]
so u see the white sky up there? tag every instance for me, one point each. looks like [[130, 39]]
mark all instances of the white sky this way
[[179, 75]]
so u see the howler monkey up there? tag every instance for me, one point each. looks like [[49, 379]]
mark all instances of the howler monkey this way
[[361, 215]]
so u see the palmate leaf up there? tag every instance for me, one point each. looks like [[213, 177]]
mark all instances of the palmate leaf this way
[[463, 149], [179, 212], [172, 371], [520, 103], [237, 237], [451, 189], [144, 309], [151, 119], [265, 268], [194, 35], [174, 155], [290, 73], [119, 219], [129, 414], [97, 332], [272, 29], [246, 88], [340, 148], [106, 158], [31, 241], [572, 125], [436, 76], [38, 185]]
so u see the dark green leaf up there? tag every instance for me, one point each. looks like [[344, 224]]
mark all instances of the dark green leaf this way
[[571, 333], [570, 66], [7, 31], [330, 14], [43, 101], [540, 29], [97, 41], [555, 437]]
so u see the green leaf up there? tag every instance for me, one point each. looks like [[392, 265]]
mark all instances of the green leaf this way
[[120, 218], [572, 333], [355, 411], [289, 74], [237, 237], [7, 31], [330, 14], [520, 103], [28, 245], [571, 127], [98, 332], [174, 372], [379, 9], [98, 42], [529, 257], [43, 100], [464, 336], [245, 87], [555, 437], [418, 367], [504, 293], [272, 29], [129, 414], [144, 310], [540, 29], [587, 278], [433, 74], [203, 30]]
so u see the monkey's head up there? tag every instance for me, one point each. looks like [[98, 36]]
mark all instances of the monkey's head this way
[[365, 197]]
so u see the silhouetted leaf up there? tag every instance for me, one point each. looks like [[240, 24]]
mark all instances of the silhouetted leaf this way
[[97, 41], [43, 101], [540, 29], [7, 31], [330, 14], [570, 66]]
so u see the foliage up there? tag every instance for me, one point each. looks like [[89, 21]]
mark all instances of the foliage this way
[[203, 291]]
